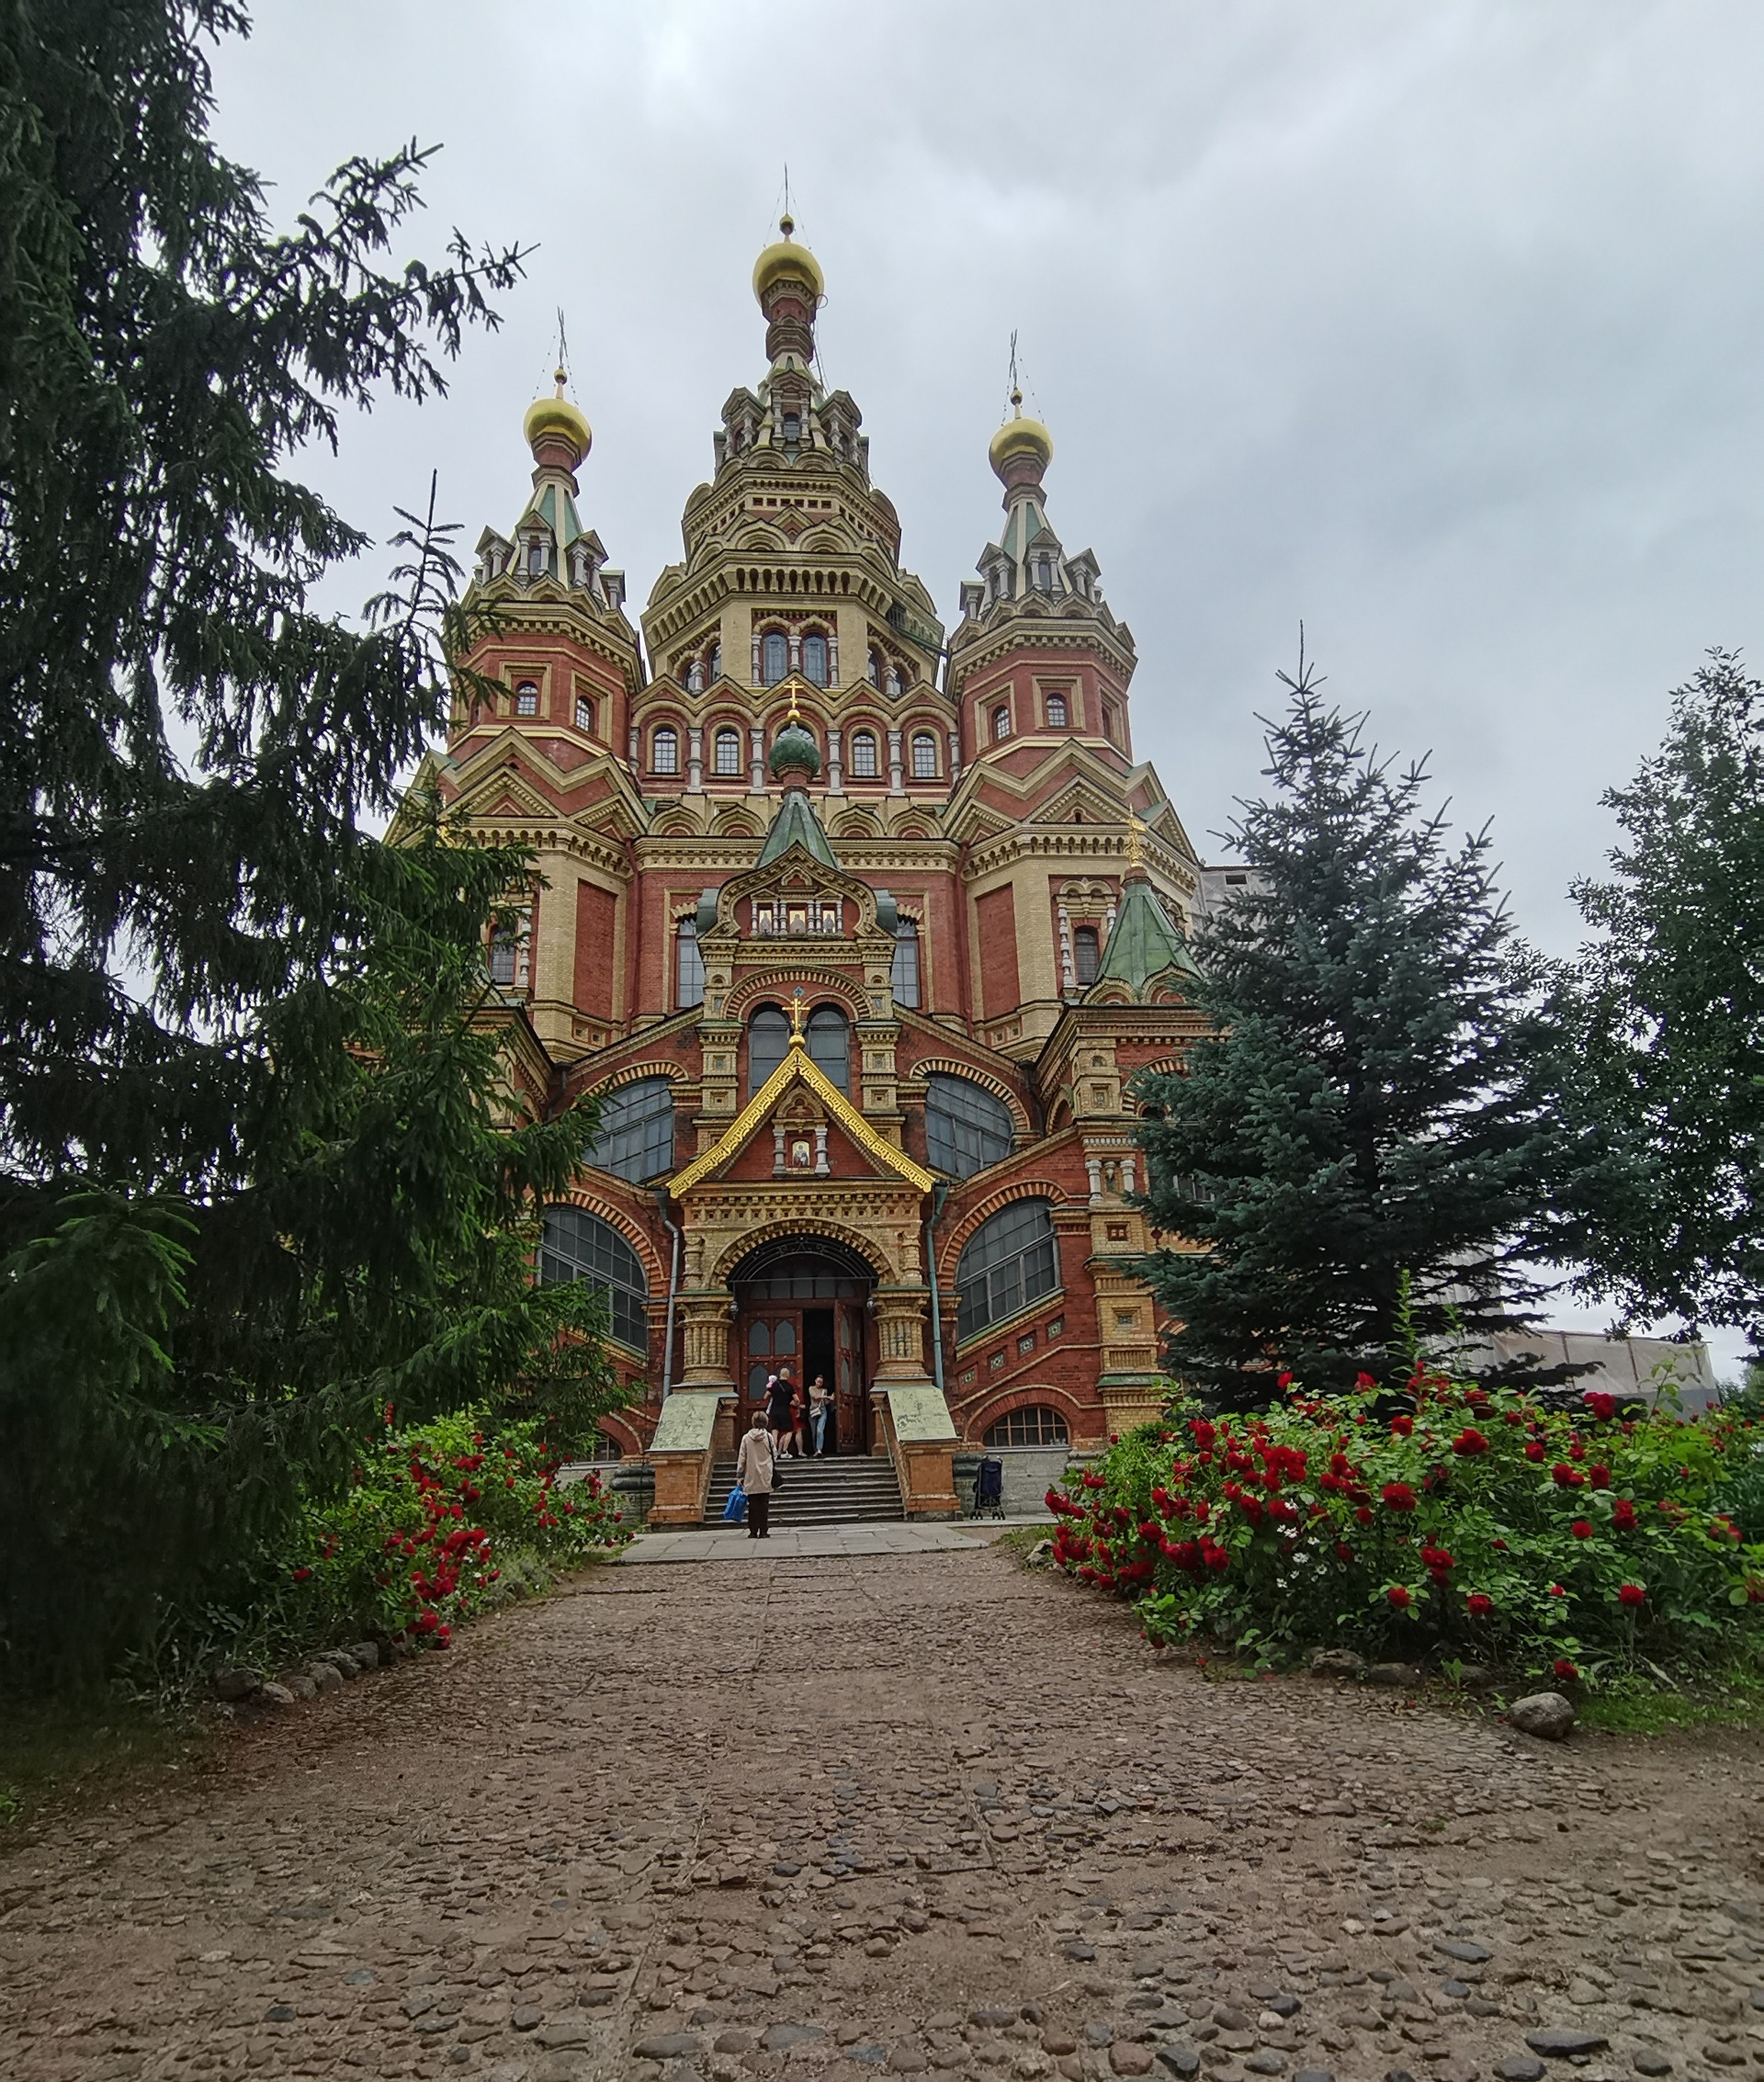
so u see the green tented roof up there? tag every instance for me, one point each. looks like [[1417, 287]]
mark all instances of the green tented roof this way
[[1144, 944], [796, 825]]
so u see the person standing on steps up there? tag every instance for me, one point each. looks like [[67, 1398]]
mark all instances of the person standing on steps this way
[[779, 1393], [753, 1471], [820, 1403], [799, 1423]]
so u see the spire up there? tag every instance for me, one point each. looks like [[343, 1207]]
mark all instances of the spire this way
[[796, 825], [1144, 945], [789, 286]]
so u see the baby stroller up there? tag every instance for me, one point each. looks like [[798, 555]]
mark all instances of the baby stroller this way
[[989, 1489]]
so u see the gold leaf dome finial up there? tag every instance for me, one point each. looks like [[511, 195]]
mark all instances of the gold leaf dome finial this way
[[785, 260], [1022, 448], [558, 426]]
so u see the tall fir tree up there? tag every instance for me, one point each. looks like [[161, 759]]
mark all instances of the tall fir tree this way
[[1359, 1152], [1664, 1017], [261, 1169]]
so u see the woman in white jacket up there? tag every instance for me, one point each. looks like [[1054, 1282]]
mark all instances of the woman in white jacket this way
[[753, 1471]]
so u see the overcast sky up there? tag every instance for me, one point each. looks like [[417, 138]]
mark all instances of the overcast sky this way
[[1435, 326]]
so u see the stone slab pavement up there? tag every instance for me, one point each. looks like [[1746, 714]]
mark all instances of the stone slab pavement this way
[[889, 1537], [830, 1816]]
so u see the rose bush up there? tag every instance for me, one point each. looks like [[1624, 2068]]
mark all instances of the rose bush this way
[[434, 1519], [1469, 1522]]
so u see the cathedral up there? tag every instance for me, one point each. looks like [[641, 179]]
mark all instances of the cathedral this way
[[856, 928]]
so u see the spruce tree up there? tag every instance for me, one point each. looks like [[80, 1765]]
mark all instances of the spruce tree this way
[[262, 1170], [1358, 1151], [1664, 1017]]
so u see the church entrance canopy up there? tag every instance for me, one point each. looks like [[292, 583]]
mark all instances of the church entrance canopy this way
[[802, 1301]]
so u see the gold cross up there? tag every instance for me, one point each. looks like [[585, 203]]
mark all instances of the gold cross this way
[[799, 1013], [1136, 834]]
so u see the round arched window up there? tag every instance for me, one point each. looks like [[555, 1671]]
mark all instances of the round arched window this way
[[729, 753], [814, 659], [924, 756], [636, 1135], [864, 766], [775, 657], [768, 1040], [579, 1246], [664, 750], [830, 1046], [1007, 1263], [967, 1128], [1002, 722], [1036, 1426]]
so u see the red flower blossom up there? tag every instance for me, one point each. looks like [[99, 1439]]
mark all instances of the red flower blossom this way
[[1399, 1495], [1398, 1595], [1363, 1515], [1470, 1442], [301, 1574], [1557, 1591], [1581, 1529], [1600, 1403], [1284, 1381], [1364, 1383], [1437, 1560], [1631, 1594], [1599, 1477], [1343, 1552], [1566, 1670], [1533, 1449], [1478, 1603], [1622, 1515], [1566, 1477], [1402, 1426]]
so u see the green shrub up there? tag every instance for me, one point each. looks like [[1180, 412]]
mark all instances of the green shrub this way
[[438, 1523], [1464, 1524]]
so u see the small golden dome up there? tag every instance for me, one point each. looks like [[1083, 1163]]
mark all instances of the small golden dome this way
[[787, 257], [1019, 438], [559, 417]]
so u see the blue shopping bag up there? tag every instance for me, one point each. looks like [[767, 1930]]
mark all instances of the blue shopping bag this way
[[735, 1509]]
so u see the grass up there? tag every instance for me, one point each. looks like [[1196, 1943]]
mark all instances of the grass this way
[[76, 1753], [1020, 1539]]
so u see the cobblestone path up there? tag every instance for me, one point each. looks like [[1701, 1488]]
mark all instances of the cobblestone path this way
[[917, 1814]]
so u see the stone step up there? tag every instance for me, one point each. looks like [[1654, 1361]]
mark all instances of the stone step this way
[[833, 1489]]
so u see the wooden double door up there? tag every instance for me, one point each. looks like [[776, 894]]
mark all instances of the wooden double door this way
[[825, 1337]]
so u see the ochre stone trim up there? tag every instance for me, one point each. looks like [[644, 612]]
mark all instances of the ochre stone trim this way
[[746, 995], [617, 1217], [634, 1073], [809, 1224], [987, 1413], [954, 1066], [950, 1249]]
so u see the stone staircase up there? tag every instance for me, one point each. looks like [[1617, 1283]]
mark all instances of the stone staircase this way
[[839, 1489]]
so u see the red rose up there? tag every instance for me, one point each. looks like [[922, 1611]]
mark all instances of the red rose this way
[[1470, 1440], [1436, 1558], [1566, 1477], [1631, 1594], [1533, 1449], [1566, 1670], [1284, 1381], [301, 1574], [1581, 1529], [1600, 1403], [1343, 1552], [1399, 1495], [1479, 1602], [1622, 1515], [1363, 1515], [1364, 1383], [1402, 1426], [1398, 1596], [1557, 1591]]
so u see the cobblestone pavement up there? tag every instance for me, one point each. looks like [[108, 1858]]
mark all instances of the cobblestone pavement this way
[[923, 1814]]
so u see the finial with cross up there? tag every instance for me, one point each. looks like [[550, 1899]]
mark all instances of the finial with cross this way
[[1135, 841], [799, 1016]]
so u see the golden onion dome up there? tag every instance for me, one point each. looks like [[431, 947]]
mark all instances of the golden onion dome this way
[[785, 256], [1019, 438], [558, 416]]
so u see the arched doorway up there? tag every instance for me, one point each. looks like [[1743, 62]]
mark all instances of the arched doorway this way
[[804, 1300]]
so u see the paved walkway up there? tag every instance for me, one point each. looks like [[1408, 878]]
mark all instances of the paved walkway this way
[[891, 1536], [823, 1817]]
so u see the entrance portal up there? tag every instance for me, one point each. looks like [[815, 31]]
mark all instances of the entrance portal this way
[[803, 1301]]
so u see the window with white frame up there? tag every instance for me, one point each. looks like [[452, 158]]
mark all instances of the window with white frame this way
[[1057, 714], [1001, 720], [584, 714], [526, 698], [863, 755], [924, 756], [729, 753], [664, 750]]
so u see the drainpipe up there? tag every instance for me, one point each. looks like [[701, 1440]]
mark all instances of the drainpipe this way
[[939, 1193], [673, 1288]]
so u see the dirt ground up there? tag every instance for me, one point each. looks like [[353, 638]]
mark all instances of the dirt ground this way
[[924, 1814]]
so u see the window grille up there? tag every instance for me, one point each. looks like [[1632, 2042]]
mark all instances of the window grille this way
[[1009, 1261], [864, 757], [1055, 711], [527, 699], [584, 714], [728, 751], [636, 1136], [1036, 1426], [814, 659], [924, 757], [1002, 722], [664, 752], [579, 1246], [966, 1126]]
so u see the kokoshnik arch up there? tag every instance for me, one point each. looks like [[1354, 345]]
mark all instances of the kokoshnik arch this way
[[858, 930]]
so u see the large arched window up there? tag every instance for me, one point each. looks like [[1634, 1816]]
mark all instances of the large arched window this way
[[814, 659], [579, 1246], [664, 750], [636, 1135], [863, 755], [1036, 1426], [1009, 1261], [829, 1044], [775, 657], [967, 1129], [924, 756], [729, 753], [768, 1038]]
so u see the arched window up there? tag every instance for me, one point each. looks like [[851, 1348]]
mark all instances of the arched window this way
[[1036, 1426], [873, 670], [863, 755], [635, 1138], [829, 1044], [814, 659], [967, 1128], [728, 751], [527, 699], [924, 756], [1055, 711], [714, 664], [1085, 954], [664, 750], [1001, 720], [775, 657], [903, 980], [579, 1246], [690, 966], [1044, 574], [584, 714], [768, 1040], [793, 426], [1008, 1262]]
